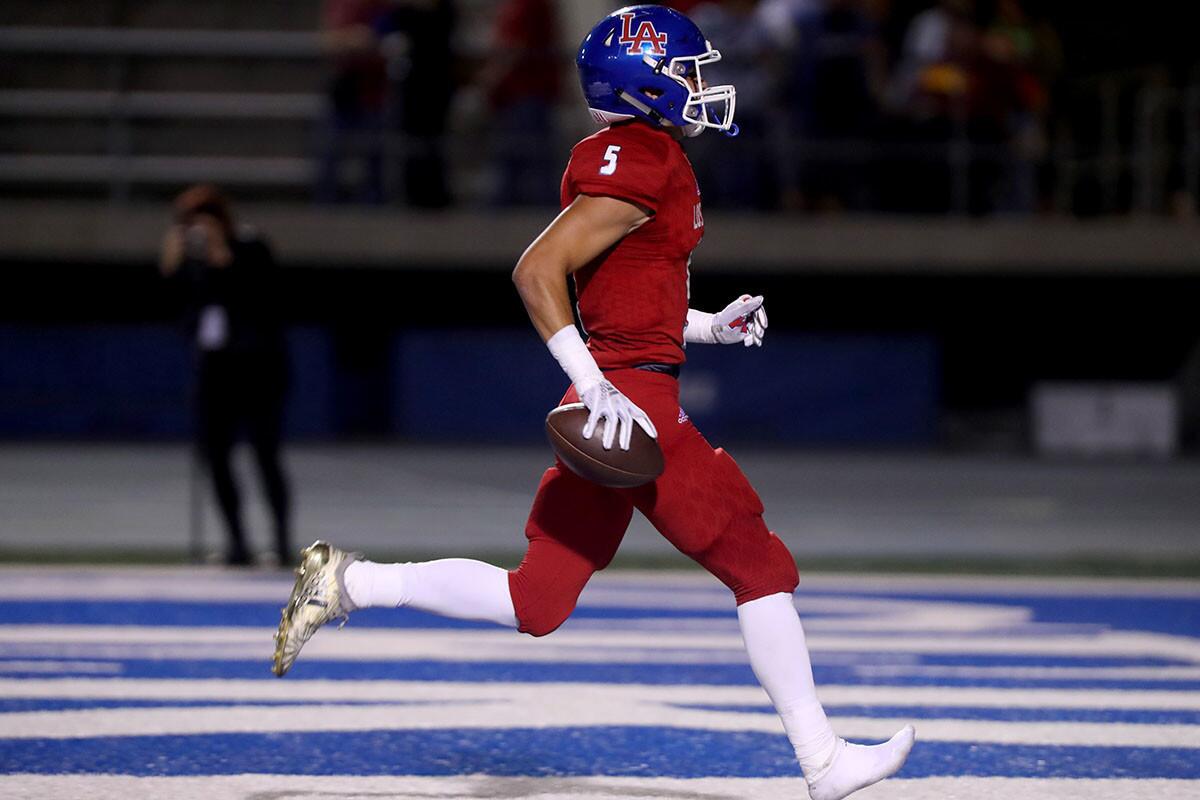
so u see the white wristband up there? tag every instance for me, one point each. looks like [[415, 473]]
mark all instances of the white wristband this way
[[576, 360], [699, 327]]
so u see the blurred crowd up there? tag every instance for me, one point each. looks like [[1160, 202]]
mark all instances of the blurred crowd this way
[[881, 105], [396, 69], [859, 105]]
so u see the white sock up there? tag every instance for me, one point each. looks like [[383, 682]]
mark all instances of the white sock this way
[[452, 587], [778, 653], [833, 767], [854, 766]]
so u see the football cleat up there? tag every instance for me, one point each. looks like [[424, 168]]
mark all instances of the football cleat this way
[[318, 597]]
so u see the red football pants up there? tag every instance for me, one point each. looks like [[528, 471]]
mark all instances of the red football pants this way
[[702, 504]]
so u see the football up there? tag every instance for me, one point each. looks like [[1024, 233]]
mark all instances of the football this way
[[615, 468]]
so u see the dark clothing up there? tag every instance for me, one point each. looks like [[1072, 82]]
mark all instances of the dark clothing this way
[[525, 154], [356, 107], [351, 132], [247, 292], [833, 103], [242, 376], [832, 83], [422, 94], [236, 393]]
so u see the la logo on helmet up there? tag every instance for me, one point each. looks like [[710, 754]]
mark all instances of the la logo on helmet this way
[[646, 35]]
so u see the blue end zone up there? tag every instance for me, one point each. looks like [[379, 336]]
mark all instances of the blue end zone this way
[[174, 613], [683, 674], [1174, 615], [619, 750], [916, 713], [632, 751], [1137, 716], [23, 704]]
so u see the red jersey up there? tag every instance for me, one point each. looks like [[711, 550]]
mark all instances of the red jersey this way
[[633, 302]]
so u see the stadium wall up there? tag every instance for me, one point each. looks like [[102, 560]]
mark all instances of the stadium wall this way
[[132, 381]]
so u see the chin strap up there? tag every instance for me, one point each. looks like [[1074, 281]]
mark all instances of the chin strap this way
[[642, 107]]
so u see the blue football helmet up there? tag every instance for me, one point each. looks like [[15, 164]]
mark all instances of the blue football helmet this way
[[644, 61]]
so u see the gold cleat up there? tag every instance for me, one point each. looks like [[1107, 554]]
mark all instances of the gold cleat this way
[[318, 597]]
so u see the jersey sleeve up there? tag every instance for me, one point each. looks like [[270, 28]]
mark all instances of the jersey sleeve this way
[[624, 167]]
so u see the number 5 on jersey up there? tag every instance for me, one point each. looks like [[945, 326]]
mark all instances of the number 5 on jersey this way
[[610, 159]]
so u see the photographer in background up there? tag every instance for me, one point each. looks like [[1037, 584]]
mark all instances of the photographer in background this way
[[229, 280]]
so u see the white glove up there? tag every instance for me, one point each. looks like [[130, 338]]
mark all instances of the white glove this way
[[744, 320], [602, 399], [605, 402]]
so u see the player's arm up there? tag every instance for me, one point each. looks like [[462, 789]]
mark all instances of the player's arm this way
[[744, 320], [582, 233]]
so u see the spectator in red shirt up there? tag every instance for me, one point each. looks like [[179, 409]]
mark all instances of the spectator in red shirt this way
[[683, 6], [355, 96], [521, 79]]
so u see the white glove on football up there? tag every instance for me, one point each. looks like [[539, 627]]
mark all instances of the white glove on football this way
[[603, 400], [744, 320]]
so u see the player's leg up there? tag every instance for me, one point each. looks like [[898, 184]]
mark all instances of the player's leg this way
[[833, 767], [331, 583], [218, 454], [216, 432], [265, 424], [704, 505], [574, 529], [460, 588]]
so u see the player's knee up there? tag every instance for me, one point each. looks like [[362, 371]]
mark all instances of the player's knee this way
[[775, 574], [750, 560], [544, 621], [541, 605]]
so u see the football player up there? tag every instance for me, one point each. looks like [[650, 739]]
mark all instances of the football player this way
[[630, 220]]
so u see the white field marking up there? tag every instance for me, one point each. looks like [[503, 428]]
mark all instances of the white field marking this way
[[255, 652], [897, 616], [556, 707], [865, 665], [250, 651], [950, 585], [488, 787], [865, 614], [879, 615], [1030, 673], [382, 691], [690, 588], [870, 616], [124, 583], [98, 667], [590, 646], [871, 582]]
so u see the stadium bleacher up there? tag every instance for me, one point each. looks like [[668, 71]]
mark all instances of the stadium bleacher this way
[[110, 96]]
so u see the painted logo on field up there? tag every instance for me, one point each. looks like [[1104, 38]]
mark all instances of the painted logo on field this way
[[645, 41], [1095, 686]]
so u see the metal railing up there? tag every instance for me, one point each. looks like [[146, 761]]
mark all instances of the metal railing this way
[[1161, 157], [142, 42], [71, 104]]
